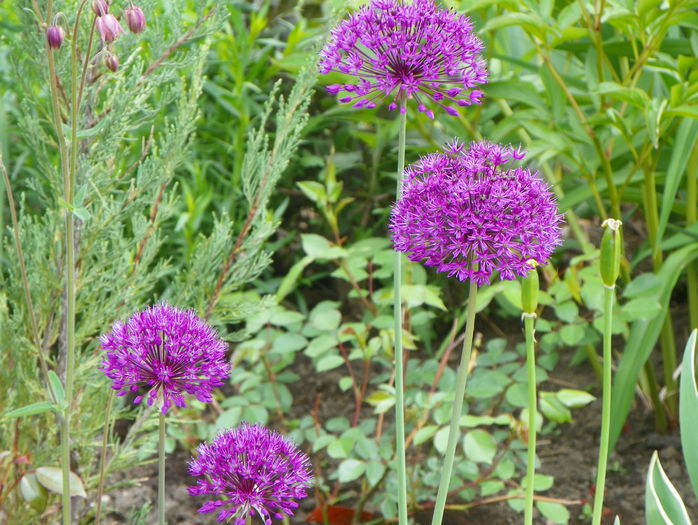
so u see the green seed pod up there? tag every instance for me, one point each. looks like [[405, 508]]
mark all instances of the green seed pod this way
[[610, 252], [529, 290]]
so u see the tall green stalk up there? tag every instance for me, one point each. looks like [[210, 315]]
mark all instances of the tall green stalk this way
[[453, 430], [609, 297], [103, 458], [399, 372], [611, 247], [529, 322], [161, 471]]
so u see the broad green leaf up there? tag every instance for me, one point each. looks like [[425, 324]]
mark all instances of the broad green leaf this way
[[52, 479], [441, 440], [30, 410], [686, 138], [290, 280], [663, 504], [374, 472], [33, 492], [641, 309], [688, 409], [553, 408], [424, 433], [289, 342], [329, 362], [480, 446], [381, 400], [318, 247], [313, 190], [555, 512], [325, 317], [643, 336], [574, 398], [350, 469]]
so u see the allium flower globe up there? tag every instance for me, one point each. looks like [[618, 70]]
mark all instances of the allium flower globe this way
[[469, 217], [397, 50], [254, 471], [165, 352]]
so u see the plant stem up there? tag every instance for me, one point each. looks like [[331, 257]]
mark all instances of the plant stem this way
[[103, 458], [529, 321], [161, 471], [399, 372], [609, 296], [457, 408]]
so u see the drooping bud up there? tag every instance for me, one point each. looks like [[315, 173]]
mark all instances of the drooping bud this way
[[112, 62], [54, 36], [610, 252], [529, 291], [135, 19], [108, 27], [100, 7]]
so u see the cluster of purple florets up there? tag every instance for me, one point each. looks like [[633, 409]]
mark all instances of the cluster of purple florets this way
[[466, 215], [406, 51], [167, 352], [254, 471]]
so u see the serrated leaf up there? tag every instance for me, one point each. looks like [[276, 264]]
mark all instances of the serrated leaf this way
[[52, 479]]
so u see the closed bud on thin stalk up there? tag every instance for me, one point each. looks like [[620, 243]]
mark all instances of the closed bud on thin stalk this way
[[108, 27], [100, 7], [135, 19], [112, 62], [54, 36], [611, 243], [529, 290]]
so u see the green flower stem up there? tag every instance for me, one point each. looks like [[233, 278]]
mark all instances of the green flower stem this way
[[161, 471], [103, 458], [399, 372], [529, 322], [453, 431], [609, 296]]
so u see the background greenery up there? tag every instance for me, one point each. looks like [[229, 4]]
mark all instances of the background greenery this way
[[602, 94]]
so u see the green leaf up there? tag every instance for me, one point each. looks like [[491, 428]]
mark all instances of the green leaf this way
[[441, 440], [480, 446], [571, 334], [317, 247], [374, 472], [290, 280], [328, 363], [555, 512], [33, 492], [686, 138], [553, 408], [325, 316], [574, 398], [313, 190], [643, 336], [634, 96], [688, 409], [641, 309], [424, 433], [56, 388], [381, 400], [350, 469], [52, 479], [30, 410], [288, 343], [663, 504]]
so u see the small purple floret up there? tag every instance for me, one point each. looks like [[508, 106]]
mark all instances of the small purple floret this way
[[464, 214], [253, 470], [166, 352], [397, 51]]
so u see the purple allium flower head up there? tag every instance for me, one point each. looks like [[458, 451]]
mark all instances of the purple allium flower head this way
[[108, 27], [401, 50], [167, 351], [465, 214], [252, 470]]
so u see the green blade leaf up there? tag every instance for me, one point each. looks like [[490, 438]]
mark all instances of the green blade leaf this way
[[643, 336], [663, 505], [30, 410], [688, 408], [56, 387]]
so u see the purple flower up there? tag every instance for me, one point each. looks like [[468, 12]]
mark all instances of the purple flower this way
[[135, 19], [108, 27], [406, 51], [463, 213], [253, 470], [167, 351], [54, 36]]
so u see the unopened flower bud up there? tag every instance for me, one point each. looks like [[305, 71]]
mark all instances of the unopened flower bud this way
[[112, 62], [100, 7], [529, 290], [54, 36], [135, 19], [109, 28], [611, 242]]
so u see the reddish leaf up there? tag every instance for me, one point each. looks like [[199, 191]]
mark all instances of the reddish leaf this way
[[337, 515]]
